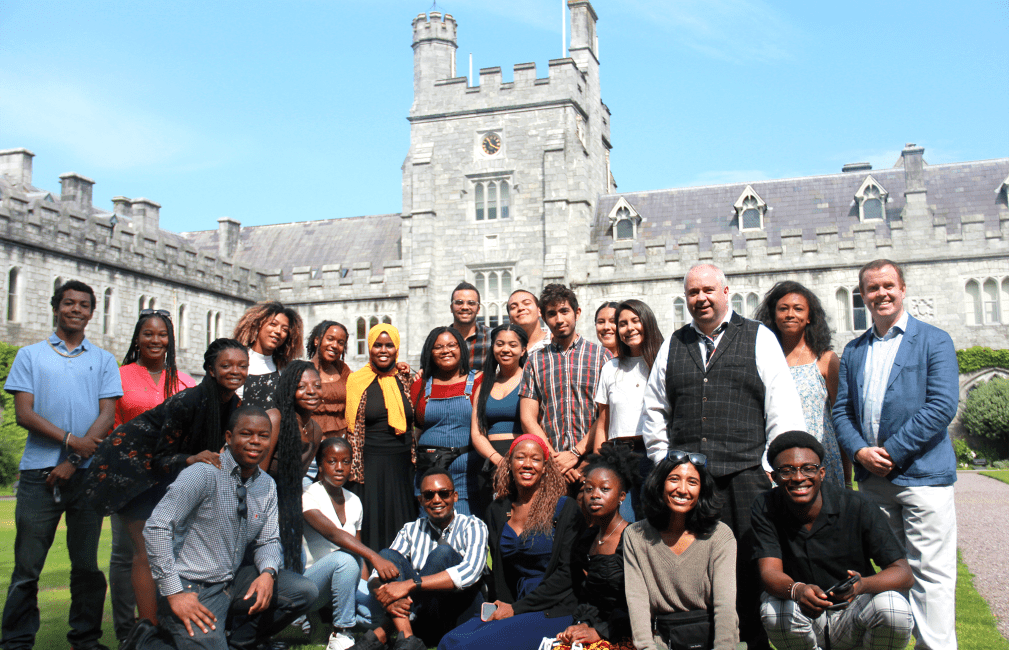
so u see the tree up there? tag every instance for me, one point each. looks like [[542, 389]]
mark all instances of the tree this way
[[986, 412]]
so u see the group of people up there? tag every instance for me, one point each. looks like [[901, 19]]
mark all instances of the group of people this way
[[522, 483]]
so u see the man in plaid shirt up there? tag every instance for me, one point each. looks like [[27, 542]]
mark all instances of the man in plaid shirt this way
[[559, 382], [465, 305]]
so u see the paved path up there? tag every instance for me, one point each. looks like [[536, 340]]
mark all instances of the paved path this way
[[982, 522]]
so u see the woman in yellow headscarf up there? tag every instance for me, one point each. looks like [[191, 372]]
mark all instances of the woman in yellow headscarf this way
[[380, 431]]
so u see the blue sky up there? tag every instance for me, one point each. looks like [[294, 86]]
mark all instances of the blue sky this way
[[289, 111]]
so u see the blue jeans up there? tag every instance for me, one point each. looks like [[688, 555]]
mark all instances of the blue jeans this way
[[292, 596], [336, 575], [36, 516]]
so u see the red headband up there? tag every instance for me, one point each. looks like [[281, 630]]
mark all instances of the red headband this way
[[535, 438]]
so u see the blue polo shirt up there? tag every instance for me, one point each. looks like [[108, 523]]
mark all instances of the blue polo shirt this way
[[67, 385]]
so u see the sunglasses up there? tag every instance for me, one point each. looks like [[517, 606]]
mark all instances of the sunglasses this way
[[428, 495], [243, 509], [164, 313], [678, 456]]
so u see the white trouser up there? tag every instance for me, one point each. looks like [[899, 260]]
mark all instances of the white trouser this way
[[877, 622]]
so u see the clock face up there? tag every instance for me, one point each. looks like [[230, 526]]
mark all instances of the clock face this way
[[491, 144]]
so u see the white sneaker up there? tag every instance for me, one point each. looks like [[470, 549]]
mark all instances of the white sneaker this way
[[340, 641]]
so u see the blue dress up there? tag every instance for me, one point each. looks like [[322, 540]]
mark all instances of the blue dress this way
[[812, 390]]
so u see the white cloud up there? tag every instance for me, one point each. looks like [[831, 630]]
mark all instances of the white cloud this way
[[107, 131]]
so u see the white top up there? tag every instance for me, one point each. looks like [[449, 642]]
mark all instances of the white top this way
[[782, 406], [259, 364], [622, 388], [316, 498]]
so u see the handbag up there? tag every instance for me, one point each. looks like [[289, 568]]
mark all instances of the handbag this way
[[693, 630], [441, 457]]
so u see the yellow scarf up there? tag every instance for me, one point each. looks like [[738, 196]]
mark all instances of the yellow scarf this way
[[359, 381]]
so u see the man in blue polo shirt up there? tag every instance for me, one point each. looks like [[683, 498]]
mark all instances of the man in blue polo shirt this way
[[65, 390]]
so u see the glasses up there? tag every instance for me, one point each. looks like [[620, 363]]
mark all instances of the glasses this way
[[156, 312], [787, 471], [449, 346], [678, 456], [243, 509], [468, 303], [428, 495]]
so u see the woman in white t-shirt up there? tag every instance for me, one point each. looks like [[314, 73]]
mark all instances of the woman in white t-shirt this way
[[332, 540], [621, 389]]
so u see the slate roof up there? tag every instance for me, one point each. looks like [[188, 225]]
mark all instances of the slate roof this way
[[345, 241], [806, 203]]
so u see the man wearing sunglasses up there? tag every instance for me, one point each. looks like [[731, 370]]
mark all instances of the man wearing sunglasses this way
[[440, 558], [224, 510], [812, 540]]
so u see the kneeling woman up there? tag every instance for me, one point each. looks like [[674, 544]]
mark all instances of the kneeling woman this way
[[532, 528], [680, 562]]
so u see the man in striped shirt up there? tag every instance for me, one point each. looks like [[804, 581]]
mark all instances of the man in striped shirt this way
[[440, 559], [559, 382]]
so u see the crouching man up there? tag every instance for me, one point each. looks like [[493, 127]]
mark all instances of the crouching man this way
[[224, 508], [440, 559], [811, 537]]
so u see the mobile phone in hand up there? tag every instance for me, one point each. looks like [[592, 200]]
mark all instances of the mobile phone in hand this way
[[835, 593], [487, 610]]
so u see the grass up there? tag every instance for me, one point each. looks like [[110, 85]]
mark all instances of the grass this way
[[975, 624], [997, 474]]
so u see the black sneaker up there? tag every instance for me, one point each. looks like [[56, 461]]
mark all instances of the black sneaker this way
[[369, 642], [409, 643], [142, 631]]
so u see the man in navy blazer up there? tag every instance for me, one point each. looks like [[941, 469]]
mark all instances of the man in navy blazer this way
[[898, 393]]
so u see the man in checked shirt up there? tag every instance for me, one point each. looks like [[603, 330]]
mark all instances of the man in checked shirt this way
[[225, 509]]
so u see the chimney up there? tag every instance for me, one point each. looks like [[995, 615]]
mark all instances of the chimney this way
[[583, 27], [146, 214], [16, 164], [857, 167], [914, 168], [121, 206], [229, 231], [77, 190]]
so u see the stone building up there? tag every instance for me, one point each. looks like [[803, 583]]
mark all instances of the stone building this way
[[507, 185]]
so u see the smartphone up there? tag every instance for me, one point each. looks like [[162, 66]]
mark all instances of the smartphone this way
[[487, 610], [839, 589]]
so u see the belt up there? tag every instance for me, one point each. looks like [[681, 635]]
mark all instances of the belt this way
[[454, 450]]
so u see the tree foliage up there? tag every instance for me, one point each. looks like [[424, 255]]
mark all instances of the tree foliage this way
[[12, 437], [986, 412]]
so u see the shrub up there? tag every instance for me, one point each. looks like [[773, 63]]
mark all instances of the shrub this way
[[964, 454], [986, 412], [978, 357], [12, 437]]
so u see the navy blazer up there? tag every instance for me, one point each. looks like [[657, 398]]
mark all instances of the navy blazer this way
[[920, 401]]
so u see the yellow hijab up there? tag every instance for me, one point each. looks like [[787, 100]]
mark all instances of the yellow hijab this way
[[359, 381]]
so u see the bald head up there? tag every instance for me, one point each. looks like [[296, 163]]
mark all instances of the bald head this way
[[707, 295]]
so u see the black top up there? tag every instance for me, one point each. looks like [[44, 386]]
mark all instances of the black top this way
[[849, 531], [599, 585], [554, 596], [260, 390], [379, 437]]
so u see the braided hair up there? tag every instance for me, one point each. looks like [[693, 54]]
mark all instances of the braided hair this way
[[288, 456], [319, 331], [171, 370], [211, 432], [541, 511]]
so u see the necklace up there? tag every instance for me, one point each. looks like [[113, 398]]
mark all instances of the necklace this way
[[600, 542], [62, 354]]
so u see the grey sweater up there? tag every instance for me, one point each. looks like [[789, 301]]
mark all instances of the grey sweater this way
[[658, 581]]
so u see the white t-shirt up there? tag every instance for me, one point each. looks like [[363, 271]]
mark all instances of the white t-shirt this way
[[622, 387], [316, 498]]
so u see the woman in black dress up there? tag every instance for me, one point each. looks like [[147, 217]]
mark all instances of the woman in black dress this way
[[273, 334], [380, 430]]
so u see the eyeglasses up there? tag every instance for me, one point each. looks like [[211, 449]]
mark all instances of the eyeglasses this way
[[678, 456], [448, 346], [468, 303], [156, 312], [243, 509], [428, 495], [787, 471]]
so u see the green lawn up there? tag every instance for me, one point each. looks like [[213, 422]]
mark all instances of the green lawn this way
[[998, 474], [975, 625]]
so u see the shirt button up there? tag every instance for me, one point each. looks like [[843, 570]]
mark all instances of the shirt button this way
[[704, 419], [704, 399], [705, 380], [704, 439]]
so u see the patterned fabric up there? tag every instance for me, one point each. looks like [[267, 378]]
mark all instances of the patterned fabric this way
[[140, 393], [879, 357], [204, 501], [479, 342], [876, 622], [601, 644], [466, 534], [813, 393], [709, 343], [564, 383], [259, 390], [355, 434]]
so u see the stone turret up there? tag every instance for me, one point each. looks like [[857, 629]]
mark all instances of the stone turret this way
[[76, 190], [16, 164], [434, 46]]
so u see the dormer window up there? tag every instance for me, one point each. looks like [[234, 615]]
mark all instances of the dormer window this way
[[624, 221], [871, 199], [750, 209], [1002, 193]]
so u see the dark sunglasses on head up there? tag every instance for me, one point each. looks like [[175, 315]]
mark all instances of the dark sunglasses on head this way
[[243, 509], [156, 312], [428, 495], [678, 456], [786, 472]]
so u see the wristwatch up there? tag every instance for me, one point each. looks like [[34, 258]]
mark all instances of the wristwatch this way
[[419, 582], [271, 571], [75, 459]]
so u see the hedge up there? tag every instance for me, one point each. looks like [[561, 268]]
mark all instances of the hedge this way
[[977, 358], [12, 437], [986, 413]]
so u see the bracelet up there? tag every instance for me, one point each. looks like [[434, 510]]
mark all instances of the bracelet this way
[[791, 591], [66, 439], [574, 450]]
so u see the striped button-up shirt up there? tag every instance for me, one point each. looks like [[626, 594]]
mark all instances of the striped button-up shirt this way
[[203, 502], [879, 359], [564, 383], [467, 536], [478, 343]]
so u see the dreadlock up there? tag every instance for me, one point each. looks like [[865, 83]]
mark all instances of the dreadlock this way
[[288, 455], [133, 354], [551, 488], [247, 330], [319, 331], [211, 432]]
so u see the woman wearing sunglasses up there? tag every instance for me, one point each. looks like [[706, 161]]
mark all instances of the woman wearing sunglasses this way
[[532, 527], [680, 561]]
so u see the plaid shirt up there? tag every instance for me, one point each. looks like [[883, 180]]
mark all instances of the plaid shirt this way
[[564, 382], [478, 342]]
